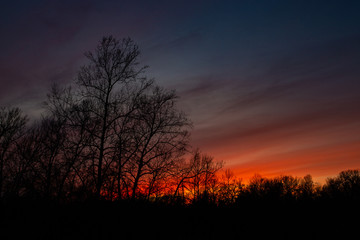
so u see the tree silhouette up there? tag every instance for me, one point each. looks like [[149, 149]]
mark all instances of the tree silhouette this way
[[49, 164], [282, 188], [196, 176], [113, 65], [161, 137], [308, 189], [344, 186], [230, 188], [131, 133], [12, 123]]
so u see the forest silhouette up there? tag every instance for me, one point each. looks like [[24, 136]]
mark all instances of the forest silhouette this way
[[110, 159]]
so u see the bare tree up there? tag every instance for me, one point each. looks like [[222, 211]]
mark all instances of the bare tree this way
[[230, 187], [40, 159], [344, 186], [196, 176], [100, 102], [131, 132], [66, 106], [12, 122], [308, 188], [112, 65], [161, 136], [52, 137]]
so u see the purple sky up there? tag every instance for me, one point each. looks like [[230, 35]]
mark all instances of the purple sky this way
[[265, 82]]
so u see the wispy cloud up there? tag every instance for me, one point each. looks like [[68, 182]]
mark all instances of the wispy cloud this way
[[305, 101]]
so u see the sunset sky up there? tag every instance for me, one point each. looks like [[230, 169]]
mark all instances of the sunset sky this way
[[272, 87]]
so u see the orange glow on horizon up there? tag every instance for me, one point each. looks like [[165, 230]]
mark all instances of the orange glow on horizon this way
[[321, 163], [321, 151]]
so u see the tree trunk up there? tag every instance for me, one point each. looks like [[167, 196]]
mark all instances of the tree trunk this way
[[119, 178], [1, 177], [102, 145]]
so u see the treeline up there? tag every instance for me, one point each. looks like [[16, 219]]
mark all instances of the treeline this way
[[283, 208], [287, 189]]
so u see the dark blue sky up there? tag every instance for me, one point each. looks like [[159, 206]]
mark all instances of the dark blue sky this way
[[271, 86]]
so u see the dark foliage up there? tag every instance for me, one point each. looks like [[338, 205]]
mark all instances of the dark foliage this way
[[157, 220], [263, 209]]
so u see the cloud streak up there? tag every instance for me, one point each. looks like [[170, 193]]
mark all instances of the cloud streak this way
[[301, 107]]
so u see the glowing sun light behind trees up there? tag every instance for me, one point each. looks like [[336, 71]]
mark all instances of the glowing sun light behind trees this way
[[133, 135]]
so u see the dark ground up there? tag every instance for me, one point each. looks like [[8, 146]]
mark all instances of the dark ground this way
[[142, 220]]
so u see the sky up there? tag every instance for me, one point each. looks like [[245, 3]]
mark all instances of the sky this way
[[272, 87]]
